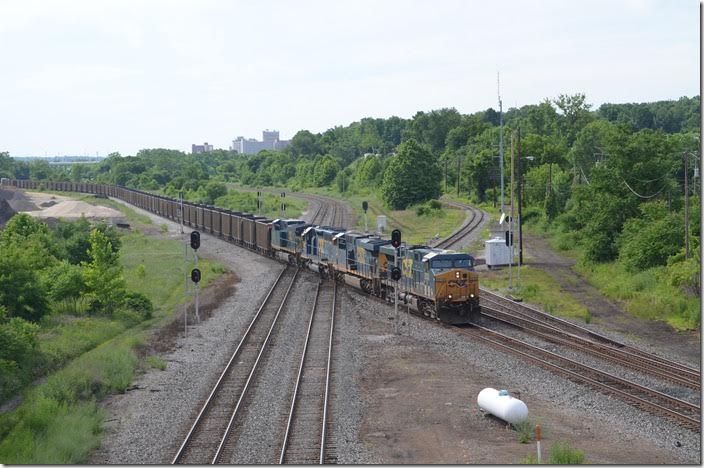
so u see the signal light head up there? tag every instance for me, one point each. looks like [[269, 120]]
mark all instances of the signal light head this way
[[396, 238]]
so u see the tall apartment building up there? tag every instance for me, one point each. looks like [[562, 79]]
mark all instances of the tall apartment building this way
[[270, 141], [204, 148]]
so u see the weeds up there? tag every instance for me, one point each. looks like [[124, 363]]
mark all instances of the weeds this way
[[156, 362], [560, 454], [525, 431], [72, 306]]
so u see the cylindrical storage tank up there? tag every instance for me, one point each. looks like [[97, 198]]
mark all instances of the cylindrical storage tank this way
[[502, 405]]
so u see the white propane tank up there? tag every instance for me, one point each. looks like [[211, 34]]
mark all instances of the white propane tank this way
[[502, 405]]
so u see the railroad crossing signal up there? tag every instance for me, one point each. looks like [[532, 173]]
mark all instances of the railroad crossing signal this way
[[195, 240], [195, 275], [396, 238], [365, 205]]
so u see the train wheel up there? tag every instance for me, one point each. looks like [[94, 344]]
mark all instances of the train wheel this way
[[427, 308], [366, 286]]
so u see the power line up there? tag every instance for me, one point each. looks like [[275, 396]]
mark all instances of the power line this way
[[643, 196]]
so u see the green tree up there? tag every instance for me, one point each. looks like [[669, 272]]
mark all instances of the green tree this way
[[412, 176], [575, 114], [21, 291], [649, 240], [215, 190], [103, 275]]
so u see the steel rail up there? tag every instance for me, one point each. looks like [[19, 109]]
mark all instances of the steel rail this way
[[607, 382], [327, 375], [302, 370], [298, 377], [252, 371], [227, 368], [526, 310], [467, 228], [605, 352]]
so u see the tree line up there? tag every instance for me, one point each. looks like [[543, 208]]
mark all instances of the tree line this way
[[610, 179]]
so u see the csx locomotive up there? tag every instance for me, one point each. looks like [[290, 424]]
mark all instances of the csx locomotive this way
[[441, 284]]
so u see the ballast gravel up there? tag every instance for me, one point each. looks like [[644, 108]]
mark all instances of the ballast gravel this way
[[146, 425]]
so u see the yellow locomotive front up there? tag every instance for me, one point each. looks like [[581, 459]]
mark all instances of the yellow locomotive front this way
[[457, 295]]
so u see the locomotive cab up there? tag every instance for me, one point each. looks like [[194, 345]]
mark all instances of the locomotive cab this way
[[456, 286]]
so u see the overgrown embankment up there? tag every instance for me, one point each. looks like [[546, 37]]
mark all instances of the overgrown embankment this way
[[80, 328]]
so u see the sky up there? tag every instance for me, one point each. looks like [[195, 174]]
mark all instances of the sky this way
[[95, 77]]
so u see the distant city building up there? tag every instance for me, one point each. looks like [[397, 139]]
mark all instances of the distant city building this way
[[204, 148], [270, 141]]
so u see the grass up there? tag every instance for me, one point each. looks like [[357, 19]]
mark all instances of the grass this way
[[155, 362], [59, 420], [415, 229], [525, 431], [560, 454], [244, 199], [646, 294], [538, 287]]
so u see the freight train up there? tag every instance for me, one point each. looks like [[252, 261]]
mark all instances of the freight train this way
[[440, 284]]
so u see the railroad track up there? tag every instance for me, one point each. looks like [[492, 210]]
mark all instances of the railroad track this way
[[475, 221], [328, 211], [599, 350], [306, 429], [209, 438], [642, 360], [684, 413]]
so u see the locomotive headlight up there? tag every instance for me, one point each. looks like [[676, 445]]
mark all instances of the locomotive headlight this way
[[457, 274], [471, 295], [449, 296]]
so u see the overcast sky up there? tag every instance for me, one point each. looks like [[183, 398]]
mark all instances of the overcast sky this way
[[80, 77]]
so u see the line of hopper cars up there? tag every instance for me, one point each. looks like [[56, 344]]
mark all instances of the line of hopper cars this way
[[441, 284]]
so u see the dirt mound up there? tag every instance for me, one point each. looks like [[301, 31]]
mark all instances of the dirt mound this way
[[6, 212], [76, 209], [18, 201]]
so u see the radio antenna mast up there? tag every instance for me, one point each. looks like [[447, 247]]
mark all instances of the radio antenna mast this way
[[501, 140]]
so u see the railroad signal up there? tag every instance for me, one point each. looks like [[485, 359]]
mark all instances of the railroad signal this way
[[195, 275], [396, 238], [509, 238], [195, 240], [395, 273], [365, 205]]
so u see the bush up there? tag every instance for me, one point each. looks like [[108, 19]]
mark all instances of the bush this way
[[64, 281], [18, 341], [139, 303], [649, 241]]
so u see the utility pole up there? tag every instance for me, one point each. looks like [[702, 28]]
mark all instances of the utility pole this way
[[519, 194], [501, 141], [686, 207], [510, 222], [459, 169], [446, 176]]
